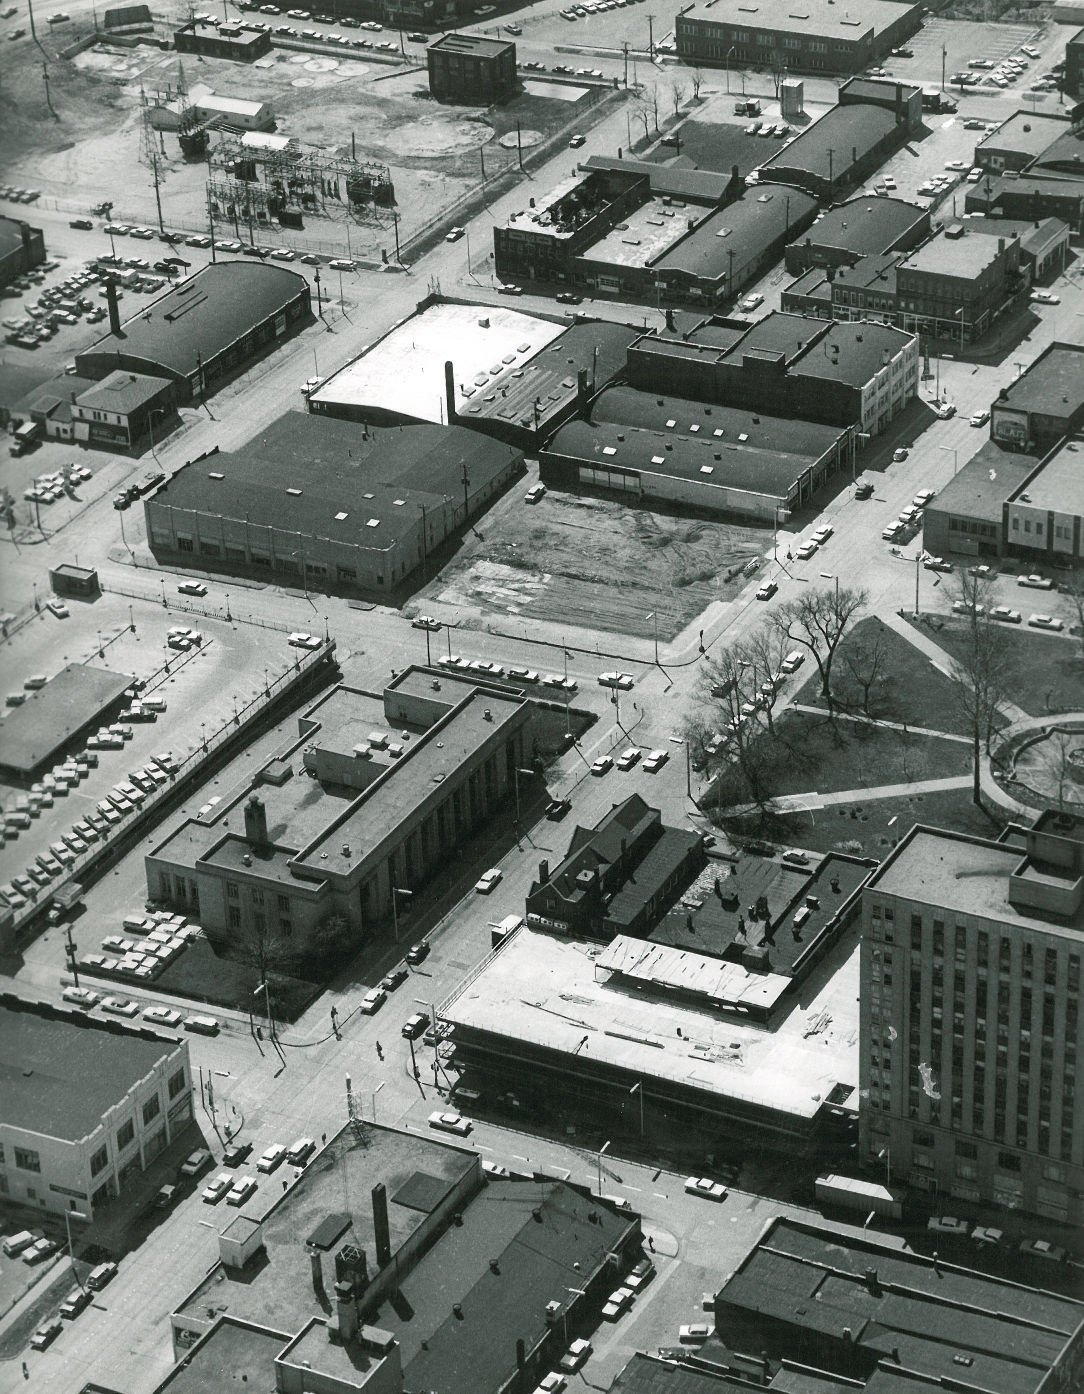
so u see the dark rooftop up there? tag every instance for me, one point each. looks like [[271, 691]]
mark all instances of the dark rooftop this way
[[843, 131], [543, 1243], [472, 43], [783, 436], [1052, 386], [354, 485], [203, 315], [1009, 1336], [718, 146], [11, 233], [865, 224], [231, 1353], [702, 184], [1029, 132], [32, 733], [122, 392], [743, 228], [41, 1089], [857, 351], [648, 1374], [816, 17], [979, 488], [877, 89]]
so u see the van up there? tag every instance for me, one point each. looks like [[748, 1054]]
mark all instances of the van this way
[[16, 1243], [793, 661], [203, 1025], [99, 1277], [299, 1152]]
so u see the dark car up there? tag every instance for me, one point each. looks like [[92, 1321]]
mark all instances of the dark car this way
[[167, 268], [394, 977], [121, 501], [568, 297], [46, 1334], [165, 1197], [557, 808], [418, 953], [84, 224], [236, 1153], [75, 1302]]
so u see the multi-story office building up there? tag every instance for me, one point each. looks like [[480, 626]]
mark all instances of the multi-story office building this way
[[954, 286], [970, 999], [89, 1106], [466, 68]]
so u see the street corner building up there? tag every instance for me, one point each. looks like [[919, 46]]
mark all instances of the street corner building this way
[[87, 1104], [335, 505], [201, 332], [470, 69], [371, 799]]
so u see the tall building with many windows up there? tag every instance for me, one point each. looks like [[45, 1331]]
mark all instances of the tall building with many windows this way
[[970, 999]]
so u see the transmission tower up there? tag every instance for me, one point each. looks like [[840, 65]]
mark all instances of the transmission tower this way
[[358, 1125]]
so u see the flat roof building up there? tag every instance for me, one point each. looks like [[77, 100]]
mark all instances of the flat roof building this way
[[76, 1138], [117, 412], [817, 38], [376, 791], [860, 227], [1045, 403], [402, 376], [1007, 916], [966, 518], [325, 502], [52, 719], [892, 1321], [1019, 140], [1044, 514], [471, 69], [1029, 196], [201, 331], [227, 41]]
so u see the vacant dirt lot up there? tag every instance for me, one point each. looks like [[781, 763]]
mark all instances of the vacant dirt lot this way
[[597, 563]]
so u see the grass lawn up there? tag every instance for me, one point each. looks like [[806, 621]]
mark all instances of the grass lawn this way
[[201, 974], [912, 689], [862, 828], [808, 754], [1047, 671]]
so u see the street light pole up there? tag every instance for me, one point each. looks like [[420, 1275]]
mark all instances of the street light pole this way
[[638, 1089], [729, 51], [604, 1148], [70, 1215], [376, 1091], [954, 452], [396, 892]]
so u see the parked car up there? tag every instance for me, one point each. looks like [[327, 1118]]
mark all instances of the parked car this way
[[703, 1186], [694, 1332], [979, 418], [1035, 582], [426, 622], [419, 952], [394, 977], [75, 1302], [46, 1334], [196, 1163], [162, 1016], [451, 1123], [415, 1025], [1041, 1249], [655, 760], [628, 758], [243, 1187], [217, 1189], [81, 997], [601, 765], [236, 1153], [488, 880], [767, 590], [1005, 614], [271, 1158], [576, 1355], [373, 1001], [1045, 622], [535, 494], [752, 302], [622, 680]]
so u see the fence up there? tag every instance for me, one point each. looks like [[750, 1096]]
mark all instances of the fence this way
[[192, 607]]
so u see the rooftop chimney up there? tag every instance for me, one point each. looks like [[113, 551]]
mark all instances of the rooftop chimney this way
[[114, 311], [256, 821], [380, 1224]]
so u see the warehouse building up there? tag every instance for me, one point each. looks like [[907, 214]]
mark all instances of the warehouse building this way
[[222, 40], [340, 509], [88, 1105], [1029, 196], [861, 227], [818, 37], [846, 1311], [1019, 141], [1045, 403], [714, 459], [377, 794], [21, 247], [202, 331], [1074, 66], [859, 375], [432, 1275], [904, 99], [473, 70], [837, 152]]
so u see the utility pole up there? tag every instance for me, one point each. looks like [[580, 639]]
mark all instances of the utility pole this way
[[944, 56], [211, 221], [157, 189], [466, 494], [45, 79], [395, 224], [519, 141], [651, 36], [69, 950], [625, 51]]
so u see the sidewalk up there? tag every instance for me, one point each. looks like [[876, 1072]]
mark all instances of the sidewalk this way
[[941, 660]]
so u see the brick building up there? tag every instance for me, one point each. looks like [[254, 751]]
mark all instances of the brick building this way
[[473, 70]]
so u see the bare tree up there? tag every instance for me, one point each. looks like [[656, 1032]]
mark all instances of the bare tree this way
[[677, 94], [1072, 585], [735, 688], [865, 663], [779, 70], [764, 650], [818, 620], [698, 81], [980, 674], [654, 101], [642, 109]]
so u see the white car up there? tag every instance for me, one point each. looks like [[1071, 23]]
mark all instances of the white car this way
[[120, 1006], [751, 302], [655, 760], [454, 234], [243, 1187], [300, 640], [806, 550], [81, 997], [1045, 622], [162, 1016], [426, 622], [621, 680], [217, 1189], [922, 498], [694, 1332], [979, 418], [488, 880], [576, 1354], [602, 765], [821, 535], [1005, 614], [628, 758], [535, 493], [1044, 297], [451, 1123], [373, 1001], [1035, 583], [705, 1187], [271, 1157]]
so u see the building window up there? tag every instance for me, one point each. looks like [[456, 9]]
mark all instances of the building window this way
[[234, 916], [125, 1135], [1008, 1161], [232, 891], [966, 1149], [27, 1160], [151, 1109], [284, 904], [176, 1084], [99, 1161]]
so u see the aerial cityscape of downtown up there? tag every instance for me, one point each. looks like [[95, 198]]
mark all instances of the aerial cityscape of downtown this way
[[542, 740]]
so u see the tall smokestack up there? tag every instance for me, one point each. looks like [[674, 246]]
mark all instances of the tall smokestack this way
[[256, 821], [380, 1225], [449, 392], [114, 309]]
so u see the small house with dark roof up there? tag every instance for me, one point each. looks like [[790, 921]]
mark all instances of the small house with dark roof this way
[[617, 877]]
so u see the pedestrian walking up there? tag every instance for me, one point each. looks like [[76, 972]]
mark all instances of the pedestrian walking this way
[[323, 1139], [651, 1243]]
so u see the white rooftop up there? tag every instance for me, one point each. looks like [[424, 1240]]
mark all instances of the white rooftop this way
[[719, 982], [404, 371], [541, 989]]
